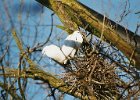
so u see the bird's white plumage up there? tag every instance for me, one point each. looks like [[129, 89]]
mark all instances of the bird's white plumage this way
[[55, 53], [68, 50], [71, 44]]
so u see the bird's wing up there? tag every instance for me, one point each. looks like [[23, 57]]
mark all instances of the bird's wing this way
[[54, 53]]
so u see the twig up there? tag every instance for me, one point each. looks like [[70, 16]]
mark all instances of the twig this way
[[38, 74], [10, 91]]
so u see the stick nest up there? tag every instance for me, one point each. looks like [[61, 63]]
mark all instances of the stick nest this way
[[92, 73]]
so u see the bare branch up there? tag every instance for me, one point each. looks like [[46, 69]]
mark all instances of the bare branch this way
[[11, 91], [38, 74]]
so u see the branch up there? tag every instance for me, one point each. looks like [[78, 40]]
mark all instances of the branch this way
[[22, 52], [38, 74], [10, 90], [74, 14]]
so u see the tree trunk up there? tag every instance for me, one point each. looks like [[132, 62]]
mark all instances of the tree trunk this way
[[74, 14]]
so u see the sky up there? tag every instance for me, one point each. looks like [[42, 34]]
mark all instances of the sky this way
[[32, 14], [114, 8]]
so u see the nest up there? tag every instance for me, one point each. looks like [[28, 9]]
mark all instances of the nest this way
[[92, 73], [101, 70]]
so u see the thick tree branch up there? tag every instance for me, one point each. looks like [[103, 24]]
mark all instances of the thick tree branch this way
[[74, 14], [38, 74]]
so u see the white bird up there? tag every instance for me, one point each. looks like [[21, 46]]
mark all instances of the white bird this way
[[71, 44], [55, 53], [68, 50]]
